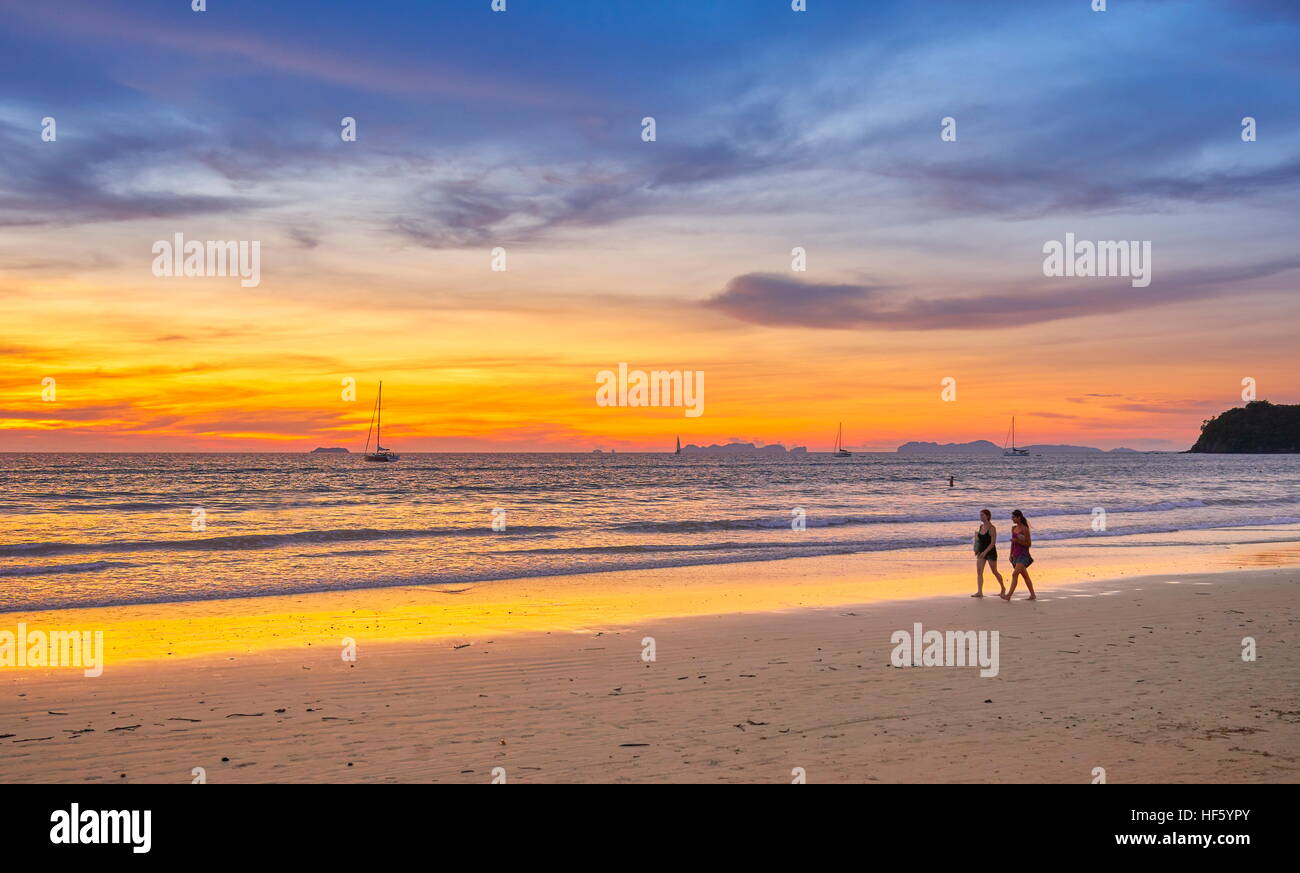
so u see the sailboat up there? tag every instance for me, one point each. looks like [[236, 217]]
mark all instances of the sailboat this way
[[679, 446], [840, 451], [380, 455], [1009, 447]]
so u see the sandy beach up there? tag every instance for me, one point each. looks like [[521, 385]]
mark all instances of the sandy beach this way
[[1140, 675]]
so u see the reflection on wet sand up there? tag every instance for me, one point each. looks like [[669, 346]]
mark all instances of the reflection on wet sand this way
[[1271, 556]]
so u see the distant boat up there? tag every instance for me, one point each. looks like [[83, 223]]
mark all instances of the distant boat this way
[[380, 455], [679, 446], [840, 451], [1009, 447]]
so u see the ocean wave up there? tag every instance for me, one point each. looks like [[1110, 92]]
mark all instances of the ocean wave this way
[[815, 521], [63, 569], [248, 542], [877, 545], [659, 557]]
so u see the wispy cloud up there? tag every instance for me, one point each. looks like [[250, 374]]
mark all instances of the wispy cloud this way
[[783, 301], [99, 178]]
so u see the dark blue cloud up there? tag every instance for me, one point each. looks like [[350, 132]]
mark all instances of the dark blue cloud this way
[[519, 125], [783, 301]]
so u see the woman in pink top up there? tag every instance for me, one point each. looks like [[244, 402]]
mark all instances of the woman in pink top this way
[[1020, 557]]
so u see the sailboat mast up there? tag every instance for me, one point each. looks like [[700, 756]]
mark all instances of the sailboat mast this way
[[379, 417], [370, 430]]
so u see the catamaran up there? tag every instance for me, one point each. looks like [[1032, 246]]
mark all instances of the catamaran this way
[[380, 455], [1009, 447], [840, 451]]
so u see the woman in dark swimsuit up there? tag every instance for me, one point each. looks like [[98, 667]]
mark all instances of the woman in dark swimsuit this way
[[986, 550], [1020, 557]]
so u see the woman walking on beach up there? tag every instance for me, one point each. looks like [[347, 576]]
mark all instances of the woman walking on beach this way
[[986, 551], [1020, 557]]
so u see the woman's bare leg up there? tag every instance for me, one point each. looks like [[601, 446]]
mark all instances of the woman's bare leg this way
[[1029, 585], [993, 565], [1015, 577], [979, 578]]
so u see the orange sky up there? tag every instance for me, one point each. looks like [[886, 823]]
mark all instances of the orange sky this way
[[202, 364]]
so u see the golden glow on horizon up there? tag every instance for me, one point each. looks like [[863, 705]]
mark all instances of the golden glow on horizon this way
[[207, 366]]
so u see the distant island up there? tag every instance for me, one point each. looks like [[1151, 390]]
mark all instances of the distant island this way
[[332, 450], [741, 449], [986, 447], [1260, 428]]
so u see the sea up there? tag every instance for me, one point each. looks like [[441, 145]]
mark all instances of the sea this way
[[80, 530]]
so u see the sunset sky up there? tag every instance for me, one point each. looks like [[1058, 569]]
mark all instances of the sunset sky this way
[[522, 129]]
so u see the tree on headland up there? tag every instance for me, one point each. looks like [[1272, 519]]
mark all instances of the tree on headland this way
[[1258, 428]]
